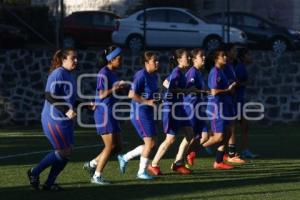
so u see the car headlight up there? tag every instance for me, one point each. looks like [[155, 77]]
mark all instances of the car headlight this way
[[294, 32]]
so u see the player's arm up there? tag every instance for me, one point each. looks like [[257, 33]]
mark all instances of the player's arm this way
[[221, 91], [60, 104], [105, 93], [140, 99]]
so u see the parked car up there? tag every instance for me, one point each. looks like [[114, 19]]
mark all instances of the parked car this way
[[88, 28], [261, 31], [170, 27], [12, 37]]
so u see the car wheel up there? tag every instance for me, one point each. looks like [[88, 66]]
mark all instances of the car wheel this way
[[212, 43], [135, 43], [69, 42], [279, 46]]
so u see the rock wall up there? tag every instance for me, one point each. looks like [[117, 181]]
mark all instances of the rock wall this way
[[274, 81]]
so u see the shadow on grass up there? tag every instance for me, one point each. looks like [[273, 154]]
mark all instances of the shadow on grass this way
[[155, 189]]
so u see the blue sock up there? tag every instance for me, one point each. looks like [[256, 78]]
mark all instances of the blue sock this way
[[56, 168], [48, 160], [219, 156]]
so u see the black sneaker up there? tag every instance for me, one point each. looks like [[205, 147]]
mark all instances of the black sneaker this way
[[89, 169], [33, 180], [54, 187]]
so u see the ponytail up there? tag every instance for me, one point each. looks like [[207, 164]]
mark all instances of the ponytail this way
[[58, 58], [176, 55]]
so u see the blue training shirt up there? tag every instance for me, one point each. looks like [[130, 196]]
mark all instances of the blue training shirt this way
[[105, 80], [217, 80], [194, 78], [60, 83], [176, 80], [144, 84]]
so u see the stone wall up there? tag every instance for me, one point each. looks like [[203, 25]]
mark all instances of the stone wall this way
[[274, 81]]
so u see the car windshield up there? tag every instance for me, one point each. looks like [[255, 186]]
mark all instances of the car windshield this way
[[197, 15]]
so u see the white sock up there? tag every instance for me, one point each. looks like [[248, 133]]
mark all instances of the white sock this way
[[93, 163], [97, 174], [133, 153], [143, 164]]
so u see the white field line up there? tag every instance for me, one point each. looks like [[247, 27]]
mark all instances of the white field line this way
[[46, 151]]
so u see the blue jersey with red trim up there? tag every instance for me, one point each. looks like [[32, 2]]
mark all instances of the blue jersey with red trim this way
[[217, 80], [177, 80], [145, 85], [61, 84], [105, 80], [194, 78]]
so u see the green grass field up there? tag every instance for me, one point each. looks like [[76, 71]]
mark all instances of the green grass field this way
[[275, 175]]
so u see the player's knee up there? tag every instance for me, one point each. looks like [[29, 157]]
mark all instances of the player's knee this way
[[219, 138], [170, 141]]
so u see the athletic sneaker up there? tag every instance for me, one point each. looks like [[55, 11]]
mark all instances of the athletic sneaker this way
[[180, 169], [54, 187], [225, 157], [248, 154], [99, 180], [89, 169], [144, 176], [33, 180], [188, 166], [154, 170], [235, 159], [190, 158], [122, 164], [222, 166]]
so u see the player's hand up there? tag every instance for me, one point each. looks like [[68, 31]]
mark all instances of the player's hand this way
[[71, 114], [150, 102], [119, 85], [232, 86], [92, 106]]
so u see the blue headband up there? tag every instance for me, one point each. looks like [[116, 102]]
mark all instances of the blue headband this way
[[113, 54]]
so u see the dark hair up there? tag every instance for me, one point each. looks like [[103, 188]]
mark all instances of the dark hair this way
[[176, 55], [58, 58], [217, 53], [102, 61], [147, 55], [195, 52]]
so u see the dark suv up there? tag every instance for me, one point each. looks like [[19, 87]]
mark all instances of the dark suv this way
[[261, 31], [88, 28]]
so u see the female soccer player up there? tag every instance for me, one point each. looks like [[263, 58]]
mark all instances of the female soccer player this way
[[195, 79], [142, 92], [107, 126], [57, 118], [229, 72], [244, 59], [176, 85], [217, 107]]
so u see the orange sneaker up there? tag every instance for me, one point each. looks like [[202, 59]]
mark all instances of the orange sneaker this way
[[222, 166], [154, 170], [225, 157], [236, 159], [190, 158], [180, 169]]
